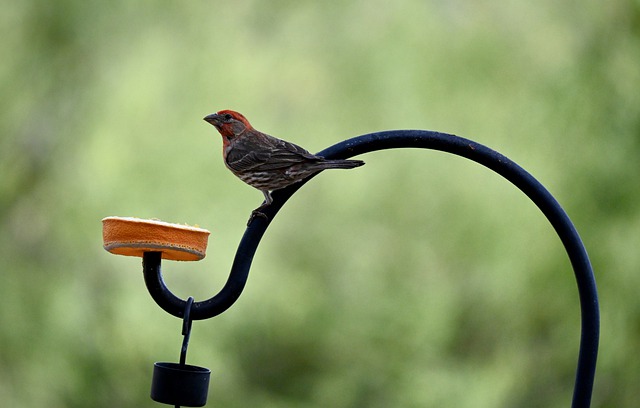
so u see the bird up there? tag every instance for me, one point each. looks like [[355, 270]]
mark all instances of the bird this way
[[263, 161]]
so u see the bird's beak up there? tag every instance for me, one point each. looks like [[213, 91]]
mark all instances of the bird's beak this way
[[214, 119]]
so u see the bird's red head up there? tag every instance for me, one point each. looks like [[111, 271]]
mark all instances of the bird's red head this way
[[229, 123]]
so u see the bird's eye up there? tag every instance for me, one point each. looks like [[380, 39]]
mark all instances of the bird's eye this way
[[228, 116]]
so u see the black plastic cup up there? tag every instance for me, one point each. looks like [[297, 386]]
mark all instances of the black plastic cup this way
[[176, 384]]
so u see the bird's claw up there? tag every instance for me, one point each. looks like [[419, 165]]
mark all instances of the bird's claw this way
[[257, 213]]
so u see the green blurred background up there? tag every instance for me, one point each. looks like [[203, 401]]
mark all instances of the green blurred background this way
[[419, 280]]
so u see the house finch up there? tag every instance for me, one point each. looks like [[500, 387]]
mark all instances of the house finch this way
[[265, 162]]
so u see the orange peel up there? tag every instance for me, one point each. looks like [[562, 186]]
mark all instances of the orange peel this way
[[131, 236]]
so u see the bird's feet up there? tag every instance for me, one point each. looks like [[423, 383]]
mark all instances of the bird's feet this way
[[258, 213]]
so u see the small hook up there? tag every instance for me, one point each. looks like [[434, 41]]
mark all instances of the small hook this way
[[186, 330]]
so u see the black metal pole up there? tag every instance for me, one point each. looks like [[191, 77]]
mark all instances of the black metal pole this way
[[590, 315]]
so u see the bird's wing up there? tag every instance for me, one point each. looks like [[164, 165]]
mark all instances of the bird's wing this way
[[239, 159], [279, 155], [294, 152], [285, 154]]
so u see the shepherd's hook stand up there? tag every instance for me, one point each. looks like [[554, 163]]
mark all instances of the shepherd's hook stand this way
[[590, 315]]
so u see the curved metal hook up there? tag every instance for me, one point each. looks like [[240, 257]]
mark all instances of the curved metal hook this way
[[590, 314]]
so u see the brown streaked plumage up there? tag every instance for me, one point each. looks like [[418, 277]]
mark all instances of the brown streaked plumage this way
[[266, 162]]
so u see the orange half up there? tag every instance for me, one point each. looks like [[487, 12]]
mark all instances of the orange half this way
[[134, 236]]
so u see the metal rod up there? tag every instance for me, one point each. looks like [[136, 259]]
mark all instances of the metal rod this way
[[590, 315], [186, 330]]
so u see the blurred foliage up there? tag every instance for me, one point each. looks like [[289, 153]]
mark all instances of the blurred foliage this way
[[420, 280]]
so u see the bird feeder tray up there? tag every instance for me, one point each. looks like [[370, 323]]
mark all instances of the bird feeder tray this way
[[131, 236]]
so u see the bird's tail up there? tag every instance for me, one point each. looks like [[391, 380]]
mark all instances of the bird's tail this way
[[341, 164]]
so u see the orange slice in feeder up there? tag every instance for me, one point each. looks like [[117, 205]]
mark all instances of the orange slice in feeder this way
[[134, 236]]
